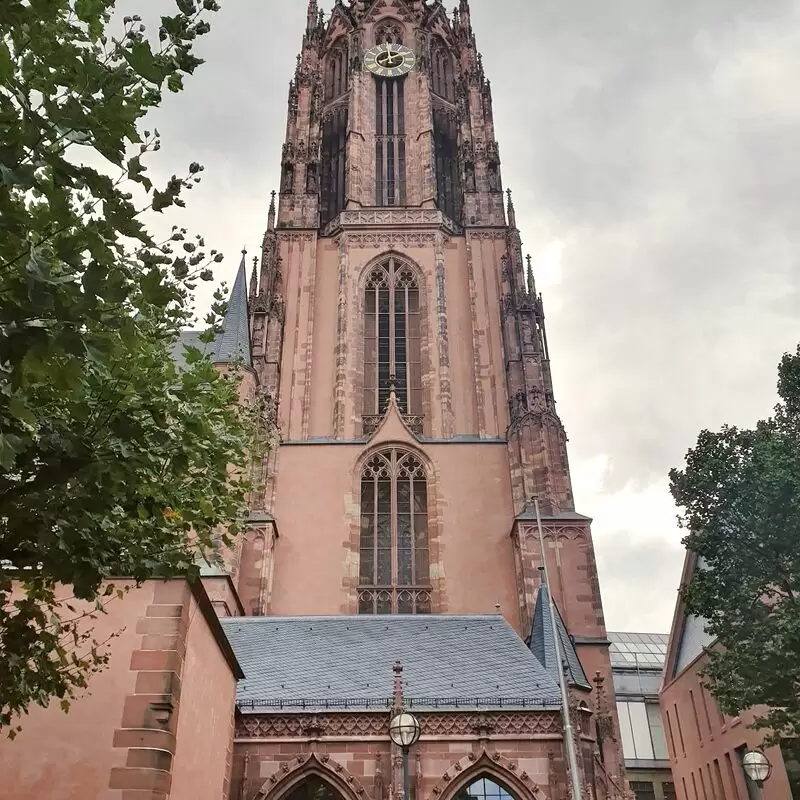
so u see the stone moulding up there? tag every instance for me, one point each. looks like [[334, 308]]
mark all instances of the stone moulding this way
[[360, 724], [365, 219], [290, 773], [485, 763]]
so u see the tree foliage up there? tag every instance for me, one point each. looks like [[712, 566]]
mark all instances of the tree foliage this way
[[113, 462], [740, 494]]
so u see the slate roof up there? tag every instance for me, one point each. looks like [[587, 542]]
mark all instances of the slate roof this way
[[233, 344], [310, 663], [542, 643]]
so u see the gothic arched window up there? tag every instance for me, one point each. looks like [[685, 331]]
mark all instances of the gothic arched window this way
[[337, 71], [394, 566], [388, 32], [441, 72], [390, 142], [313, 788], [484, 789], [449, 198], [334, 163], [392, 340]]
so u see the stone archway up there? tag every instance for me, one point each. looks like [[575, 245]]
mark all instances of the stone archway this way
[[502, 772], [312, 777]]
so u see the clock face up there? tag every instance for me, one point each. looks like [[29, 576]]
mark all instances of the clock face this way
[[390, 60]]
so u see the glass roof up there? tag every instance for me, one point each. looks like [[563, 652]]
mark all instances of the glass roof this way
[[642, 650]]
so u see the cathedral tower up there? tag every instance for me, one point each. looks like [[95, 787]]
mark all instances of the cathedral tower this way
[[398, 334]]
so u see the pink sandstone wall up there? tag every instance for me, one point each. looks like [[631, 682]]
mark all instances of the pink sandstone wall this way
[[316, 506], [50, 758], [702, 744], [323, 334], [118, 742], [353, 754], [200, 769]]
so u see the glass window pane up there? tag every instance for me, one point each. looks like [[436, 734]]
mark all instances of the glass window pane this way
[[640, 728], [657, 731], [628, 750]]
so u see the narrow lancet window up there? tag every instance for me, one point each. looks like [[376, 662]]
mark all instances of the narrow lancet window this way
[[334, 163], [394, 571], [392, 342], [390, 142]]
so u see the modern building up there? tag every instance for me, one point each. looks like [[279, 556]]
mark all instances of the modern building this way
[[705, 746], [637, 661], [392, 559]]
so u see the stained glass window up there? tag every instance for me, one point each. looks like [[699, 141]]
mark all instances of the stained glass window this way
[[394, 568]]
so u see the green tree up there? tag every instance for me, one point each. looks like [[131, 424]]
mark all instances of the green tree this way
[[113, 462], [740, 495]]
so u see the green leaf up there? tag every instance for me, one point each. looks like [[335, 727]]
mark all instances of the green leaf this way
[[141, 59], [6, 64]]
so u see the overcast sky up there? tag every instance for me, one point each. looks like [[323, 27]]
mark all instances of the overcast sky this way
[[653, 152]]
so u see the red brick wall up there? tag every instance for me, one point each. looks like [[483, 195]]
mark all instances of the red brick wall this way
[[702, 744]]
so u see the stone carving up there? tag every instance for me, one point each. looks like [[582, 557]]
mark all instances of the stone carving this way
[[296, 237], [390, 240], [391, 217], [324, 765], [268, 726], [492, 763]]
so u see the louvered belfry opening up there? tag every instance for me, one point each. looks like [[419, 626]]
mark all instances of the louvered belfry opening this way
[[334, 134], [390, 142], [445, 132]]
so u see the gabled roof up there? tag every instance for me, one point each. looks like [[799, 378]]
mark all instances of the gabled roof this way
[[542, 643], [302, 663], [685, 627], [234, 342]]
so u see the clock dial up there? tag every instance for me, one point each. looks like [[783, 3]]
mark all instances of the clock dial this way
[[390, 60]]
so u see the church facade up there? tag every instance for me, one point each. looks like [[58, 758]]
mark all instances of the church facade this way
[[392, 557]]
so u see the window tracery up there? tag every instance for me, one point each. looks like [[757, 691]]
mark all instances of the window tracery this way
[[392, 340], [394, 564], [441, 71], [484, 788], [314, 788], [337, 71], [389, 32]]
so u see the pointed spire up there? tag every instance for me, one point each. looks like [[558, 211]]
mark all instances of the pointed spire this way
[[313, 15], [542, 644], [512, 214], [531, 282], [271, 215], [254, 280], [233, 343]]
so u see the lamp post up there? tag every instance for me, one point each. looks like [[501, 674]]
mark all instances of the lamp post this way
[[404, 731], [757, 767]]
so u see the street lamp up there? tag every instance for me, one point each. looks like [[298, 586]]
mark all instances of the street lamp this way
[[404, 731], [756, 766]]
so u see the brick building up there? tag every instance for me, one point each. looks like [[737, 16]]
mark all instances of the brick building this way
[[705, 746], [392, 557]]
